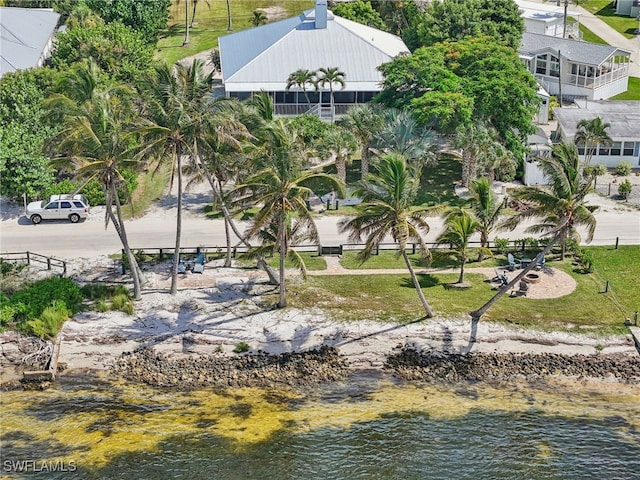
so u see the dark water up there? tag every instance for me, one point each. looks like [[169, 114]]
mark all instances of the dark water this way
[[362, 429]]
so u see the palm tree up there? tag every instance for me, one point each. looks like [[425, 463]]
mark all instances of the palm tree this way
[[279, 190], [301, 79], [479, 147], [401, 134], [561, 207], [331, 76], [187, 41], [486, 209], [387, 208], [340, 143], [195, 6], [259, 18], [95, 142], [173, 111], [590, 134], [365, 122], [460, 225], [229, 24]]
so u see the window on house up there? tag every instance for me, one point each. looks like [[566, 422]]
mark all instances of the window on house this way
[[602, 150], [541, 64], [628, 149], [554, 67], [580, 150], [615, 148]]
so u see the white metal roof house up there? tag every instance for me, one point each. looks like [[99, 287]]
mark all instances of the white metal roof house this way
[[262, 58], [546, 19], [627, 7], [580, 69], [26, 36], [624, 129]]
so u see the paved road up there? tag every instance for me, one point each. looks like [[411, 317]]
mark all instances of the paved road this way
[[157, 230]]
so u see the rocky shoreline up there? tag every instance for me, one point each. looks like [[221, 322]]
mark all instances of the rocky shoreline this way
[[326, 365], [412, 364]]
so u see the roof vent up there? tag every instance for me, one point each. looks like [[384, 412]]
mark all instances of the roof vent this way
[[321, 14]]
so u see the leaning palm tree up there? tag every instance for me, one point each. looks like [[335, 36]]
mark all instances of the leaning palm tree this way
[[460, 225], [561, 207], [279, 191], [365, 122], [487, 210], [387, 209], [174, 107], [339, 143], [95, 143], [590, 134], [331, 76], [301, 79]]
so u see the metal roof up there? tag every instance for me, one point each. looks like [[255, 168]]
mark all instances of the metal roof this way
[[264, 57], [623, 117], [24, 35], [573, 50], [542, 12]]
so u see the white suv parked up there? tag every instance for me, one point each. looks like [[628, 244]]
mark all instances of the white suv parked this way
[[59, 207]]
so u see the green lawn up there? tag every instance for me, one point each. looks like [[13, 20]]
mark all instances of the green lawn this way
[[388, 259], [589, 36], [633, 90], [392, 297], [211, 22], [604, 10]]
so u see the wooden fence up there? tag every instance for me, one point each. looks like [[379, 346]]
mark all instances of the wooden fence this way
[[35, 258]]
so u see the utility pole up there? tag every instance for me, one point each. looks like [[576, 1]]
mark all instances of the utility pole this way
[[560, 78]]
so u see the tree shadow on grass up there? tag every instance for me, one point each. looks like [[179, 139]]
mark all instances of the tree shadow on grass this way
[[426, 280]]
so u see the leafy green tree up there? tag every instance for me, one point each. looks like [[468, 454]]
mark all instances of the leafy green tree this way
[[340, 143], [175, 103], [310, 127], [149, 17], [330, 76], [301, 79], [590, 134], [454, 20], [387, 208], [445, 111], [279, 191], [361, 12], [459, 226], [116, 48], [365, 122], [477, 144]]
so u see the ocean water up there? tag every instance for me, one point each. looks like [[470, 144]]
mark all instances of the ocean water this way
[[367, 427]]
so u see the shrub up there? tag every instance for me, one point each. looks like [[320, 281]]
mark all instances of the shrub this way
[[587, 261], [43, 294], [50, 321], [501, 244], [241, 347], [624, 189], [531, 242], [623, 169], [123, 303], [599, 169]]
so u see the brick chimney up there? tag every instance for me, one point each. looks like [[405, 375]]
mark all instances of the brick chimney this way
[[321, 13]]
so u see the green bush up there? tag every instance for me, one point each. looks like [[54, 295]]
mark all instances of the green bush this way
[[241, 347], [122, 302], [50, 321], [623, 169], [42, 294], [624, 189], [94, 190], [501, 244]]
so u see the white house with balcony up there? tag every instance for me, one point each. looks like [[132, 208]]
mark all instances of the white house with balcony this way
[[575, 69], [27, 37], [262, 58], [623, 118], [548, 19]]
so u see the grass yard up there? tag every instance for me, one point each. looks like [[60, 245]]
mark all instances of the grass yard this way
[[589, 36], [392, 297], [387, 259], [633, 90], [212, 22], [604, 10]]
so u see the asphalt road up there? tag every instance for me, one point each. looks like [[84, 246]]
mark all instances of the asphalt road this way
[[64, 240]]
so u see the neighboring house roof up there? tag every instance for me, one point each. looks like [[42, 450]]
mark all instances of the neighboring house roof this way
[[542, 12], [573, 50], [265, 56], [622, 116], [25, 35]]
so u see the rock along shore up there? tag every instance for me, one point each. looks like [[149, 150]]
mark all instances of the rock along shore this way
[[411, 364]]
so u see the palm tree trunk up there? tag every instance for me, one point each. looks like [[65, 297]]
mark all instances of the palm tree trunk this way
[[136, 274], [227, 235], [193, 14], [364, 163], [341, 168], [416, 284], [176, 251], [461, 277], [283, 254], [186, 40], [229, 25]]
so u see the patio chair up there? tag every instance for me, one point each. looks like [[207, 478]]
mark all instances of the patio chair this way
[[540, 264], [512, 263], [198, 266], [523, 289]]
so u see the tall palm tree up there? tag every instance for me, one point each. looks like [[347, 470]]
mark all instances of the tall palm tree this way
[[331, 76], [301, 79], [486, 208], [460, 225], [193, 13], [479, 147], [590, 134], [175, 103], [561, 206], [187, 41], [95, 142], [365, 122], [279, 190], [340, 143], [259, 18], [229, 24], [401, 134], [387, 208]]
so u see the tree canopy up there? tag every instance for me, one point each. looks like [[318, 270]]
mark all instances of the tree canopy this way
[[361, 12]]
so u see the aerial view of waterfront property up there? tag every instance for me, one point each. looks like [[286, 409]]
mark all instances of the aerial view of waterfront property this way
[[316, 239]]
